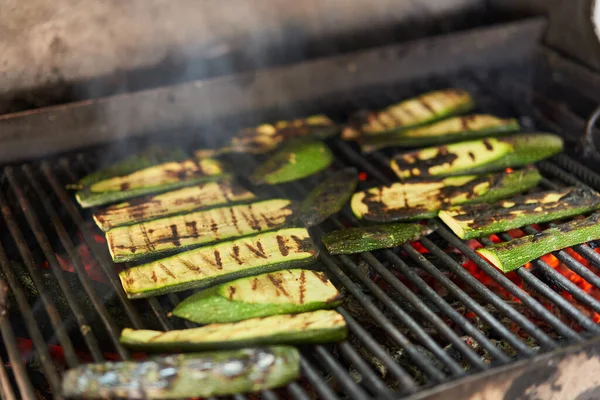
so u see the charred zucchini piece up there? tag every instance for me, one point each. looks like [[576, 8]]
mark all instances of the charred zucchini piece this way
[[323, 326], [445, 131], [210, 265], [329, 197], [406, 201], [367, 238], [293, 161], [477, 156], [191, 198], [180, 232], [510, 255], [185, 375], [283, 292], [420, 110], [267, 137], [475, 221], [151, 172]]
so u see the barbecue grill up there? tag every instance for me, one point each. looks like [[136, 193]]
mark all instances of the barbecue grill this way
[[426, 319]]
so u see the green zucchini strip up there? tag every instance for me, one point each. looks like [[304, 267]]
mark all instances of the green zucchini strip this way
[[511, 255], [267, 137], [477, 156], [446, 131], [283, 292], [293, 161], [409, 113], [180, 232], [329, 197], [413, 200], [475, 221], [368, 238], [323, 326], [182, 376], [179, 201], [222, 262]]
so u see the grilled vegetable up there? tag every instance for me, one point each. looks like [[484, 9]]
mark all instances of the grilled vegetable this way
[[219, 263], [446, 131], [183, 376], [268, 137], [409, 113], [283, 292], [510, 255], [296, 160], [329, 197], [475, 221], [477, 156], [358, 240], [151, 172], [405, 201], [163, 235], [321, 326], [179, 201]]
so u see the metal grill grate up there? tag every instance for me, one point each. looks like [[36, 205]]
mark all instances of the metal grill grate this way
[[424, 320]]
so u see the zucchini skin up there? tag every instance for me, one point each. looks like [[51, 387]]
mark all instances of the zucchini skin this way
[[361, 239], [409, 113], [323, 326], [222, 262], [511, 255], [293, 161], [329, 197], [183, 376], [175, 233], [454, 129], [414, 200], [476, 156], [475, 221], [303, 291], [175, 202]]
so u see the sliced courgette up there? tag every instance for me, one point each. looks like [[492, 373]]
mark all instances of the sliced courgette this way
[[329, 197], [445, 131], [368, 238], [323, 326], [405, 201], [295, 160], [420, 110], [182, 376], [179, 232], [283, 292], [268, 137], [478, 220], [221, 262], [508, 256], [477, 156], [191, 198], [152, 172]]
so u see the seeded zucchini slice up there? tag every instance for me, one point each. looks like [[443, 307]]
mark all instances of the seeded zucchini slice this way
[[477, 156], [222, 262], [182, 376], [180, 232], [420, 110], [203, 195], [445, 131], [323, 326], [478, 220], [511, 255], [412, 200], [283, 292]]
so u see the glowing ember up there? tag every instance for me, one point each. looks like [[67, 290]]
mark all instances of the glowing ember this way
[[362, 176]]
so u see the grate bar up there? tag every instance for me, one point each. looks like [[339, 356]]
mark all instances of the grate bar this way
[[316, 380], [297, 392], [340, 374], [17, 364]]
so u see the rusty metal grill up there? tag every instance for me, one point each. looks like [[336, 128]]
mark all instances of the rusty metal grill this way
[[421, 306]]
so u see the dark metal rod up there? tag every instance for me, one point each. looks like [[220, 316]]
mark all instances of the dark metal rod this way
[[583, 172], [297, 392], [340, 374], [34, 223], [320, 385], [6, 389], [85, 280], [268, 395], [549, 168], [16, 362]]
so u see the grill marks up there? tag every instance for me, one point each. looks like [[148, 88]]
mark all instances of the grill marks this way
[[279, 287], [258, 251], [175, 235], [283, 248], [236, 254], [302, 288]]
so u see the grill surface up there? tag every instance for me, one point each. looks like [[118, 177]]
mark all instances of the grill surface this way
[[414, 312]]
